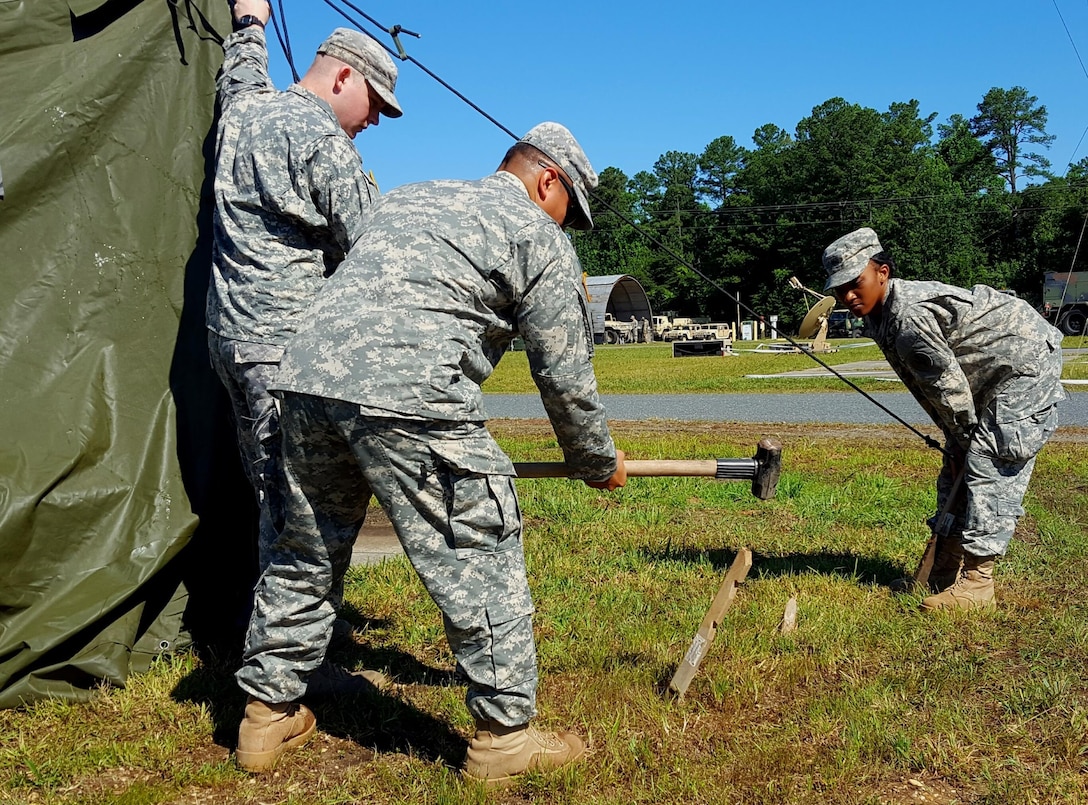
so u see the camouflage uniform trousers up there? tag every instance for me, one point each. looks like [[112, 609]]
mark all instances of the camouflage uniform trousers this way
[[999, 462], [245, 369], [460, 527]]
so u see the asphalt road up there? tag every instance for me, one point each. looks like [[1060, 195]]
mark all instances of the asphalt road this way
[[849, 408]]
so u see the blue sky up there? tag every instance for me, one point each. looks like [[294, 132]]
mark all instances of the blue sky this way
[[634, 80]]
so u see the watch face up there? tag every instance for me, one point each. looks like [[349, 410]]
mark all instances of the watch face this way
[[246, 21]]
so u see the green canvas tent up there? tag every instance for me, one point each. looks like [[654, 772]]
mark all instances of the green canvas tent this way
[[125, 522]]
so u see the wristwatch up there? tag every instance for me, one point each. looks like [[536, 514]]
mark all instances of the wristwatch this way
[[245, 21]]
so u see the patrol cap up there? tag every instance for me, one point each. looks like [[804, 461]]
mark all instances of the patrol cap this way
[[362, 53], [846, 258], [558, 144]]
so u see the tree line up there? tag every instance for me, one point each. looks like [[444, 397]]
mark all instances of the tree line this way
[[971, 200]]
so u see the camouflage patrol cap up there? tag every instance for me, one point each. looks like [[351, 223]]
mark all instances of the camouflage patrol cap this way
[[557, 143], [846, 258], [362, 53]]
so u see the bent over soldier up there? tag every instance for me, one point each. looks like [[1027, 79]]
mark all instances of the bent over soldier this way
[[987, 368], [381, 395], [290, 193]]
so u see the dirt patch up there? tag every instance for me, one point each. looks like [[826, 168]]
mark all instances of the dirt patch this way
[[917, 790], [326, 762]]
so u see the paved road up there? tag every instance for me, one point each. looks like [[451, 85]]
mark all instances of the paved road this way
[[825, 407]]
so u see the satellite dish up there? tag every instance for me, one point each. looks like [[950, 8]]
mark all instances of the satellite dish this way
[[811, 325]]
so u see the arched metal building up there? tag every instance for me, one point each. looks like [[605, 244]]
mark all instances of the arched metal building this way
[[621, 297]]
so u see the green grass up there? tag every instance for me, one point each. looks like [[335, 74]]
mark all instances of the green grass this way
[[651, 369], [868, 701]]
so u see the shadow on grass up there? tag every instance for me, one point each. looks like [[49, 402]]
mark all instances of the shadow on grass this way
[[384, 723], [405, 668], [865, 569]]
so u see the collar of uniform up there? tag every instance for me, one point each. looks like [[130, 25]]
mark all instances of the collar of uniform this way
[[514, 181], [888, 311], [317, 101]]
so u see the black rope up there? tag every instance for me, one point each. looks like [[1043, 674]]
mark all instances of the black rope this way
[[284, 39], [400, 54]]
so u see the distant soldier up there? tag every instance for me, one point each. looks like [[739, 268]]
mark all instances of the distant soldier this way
[[381, 395], [290, 193], [987, 368], [644, 328]]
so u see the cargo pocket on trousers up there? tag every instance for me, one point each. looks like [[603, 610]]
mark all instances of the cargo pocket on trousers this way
[[1009, 508], [1021, 439], [484, 516]]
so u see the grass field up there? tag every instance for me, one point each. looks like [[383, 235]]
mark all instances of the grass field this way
[[867, 701]]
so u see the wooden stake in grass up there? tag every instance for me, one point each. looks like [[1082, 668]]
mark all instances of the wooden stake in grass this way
[[685, 672], [789, 617]]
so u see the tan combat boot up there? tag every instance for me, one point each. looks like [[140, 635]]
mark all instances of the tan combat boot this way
[[947, 562], [497, 753], [269, 730], [946, 565], [974, 589]]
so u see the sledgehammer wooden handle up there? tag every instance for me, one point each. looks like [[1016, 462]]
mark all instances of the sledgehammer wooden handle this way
[[762, 470], [705, 468]]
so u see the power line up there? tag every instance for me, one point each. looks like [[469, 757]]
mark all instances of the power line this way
[[1083, 69], [1081, 140], [855, 218], [1072, 184], [1070, 35]]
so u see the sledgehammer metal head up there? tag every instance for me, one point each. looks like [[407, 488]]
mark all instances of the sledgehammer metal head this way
[[763, 469]]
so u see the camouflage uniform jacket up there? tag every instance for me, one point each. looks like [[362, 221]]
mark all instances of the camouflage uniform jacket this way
[[426, 304], [289, 194], [955, 349]]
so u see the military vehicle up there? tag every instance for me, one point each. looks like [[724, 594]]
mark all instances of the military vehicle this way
[[619, 332], [1065, 300], [844, 324]]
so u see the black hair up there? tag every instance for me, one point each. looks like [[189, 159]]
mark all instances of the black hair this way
[[522, 151], [884, 259]]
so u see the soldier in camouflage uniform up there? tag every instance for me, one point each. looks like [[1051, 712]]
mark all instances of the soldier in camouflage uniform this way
[[987, 368], [290, 193], [381, 395]]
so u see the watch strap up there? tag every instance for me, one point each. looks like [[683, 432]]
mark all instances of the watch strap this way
[[246, 20]]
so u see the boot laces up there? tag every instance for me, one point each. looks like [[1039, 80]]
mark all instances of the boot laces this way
[[549, 740], [961, 581]]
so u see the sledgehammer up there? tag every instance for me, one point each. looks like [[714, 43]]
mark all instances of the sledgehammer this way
[[763, 469]]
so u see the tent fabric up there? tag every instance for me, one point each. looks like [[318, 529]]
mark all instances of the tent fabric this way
[[125, 522]]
